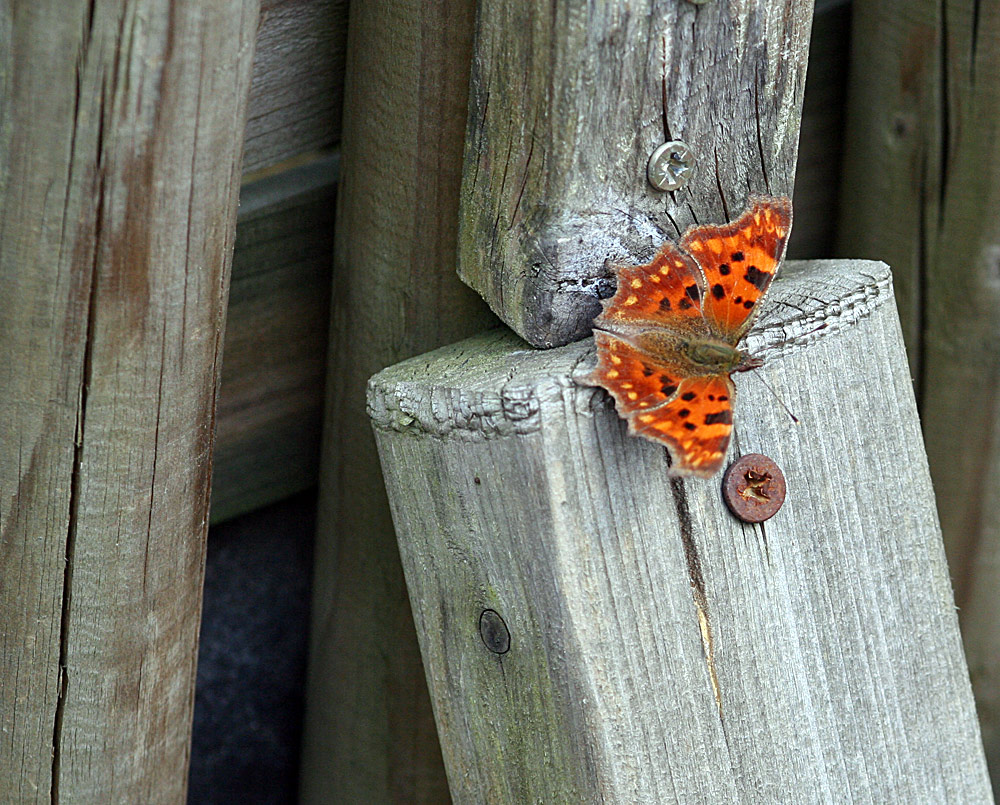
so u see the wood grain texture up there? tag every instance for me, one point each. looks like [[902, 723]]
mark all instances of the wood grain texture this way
[[120, 148], [298, 80], [270, 410], [566, 107], [661, 650], [922, 189], [369, 733]]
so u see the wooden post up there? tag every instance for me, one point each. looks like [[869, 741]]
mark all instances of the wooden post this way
[[594, 631], [922, 189], [369, 734], [119, 170], [566, 107]]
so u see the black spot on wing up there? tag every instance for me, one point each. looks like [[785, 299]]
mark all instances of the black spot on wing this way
[[757, 278], [724, 269], [690, 425], [736, 257], [718, 291], [687, 396], [665, 303], [693, 291], [721, 416]]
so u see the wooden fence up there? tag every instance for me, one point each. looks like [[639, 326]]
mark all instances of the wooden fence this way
[[107, 387]]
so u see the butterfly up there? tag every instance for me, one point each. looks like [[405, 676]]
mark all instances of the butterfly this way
[[667, 340]]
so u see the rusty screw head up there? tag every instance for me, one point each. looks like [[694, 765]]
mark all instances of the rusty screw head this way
[[494, 632], [754, 488]]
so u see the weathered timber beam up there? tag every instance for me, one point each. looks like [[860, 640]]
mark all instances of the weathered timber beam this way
[[921, 189], [369, 732], [567, 104], [119, 170], [659, 649]]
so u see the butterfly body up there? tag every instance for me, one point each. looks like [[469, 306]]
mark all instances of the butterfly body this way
[[667, 342]]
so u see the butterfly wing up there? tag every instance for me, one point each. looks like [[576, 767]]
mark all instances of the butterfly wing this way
[[691, 416], [695, 425], [636, 380], [739, 260], [665, 292], [708, 285]]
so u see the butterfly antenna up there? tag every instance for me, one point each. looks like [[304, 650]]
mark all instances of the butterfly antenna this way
[[781, 402]]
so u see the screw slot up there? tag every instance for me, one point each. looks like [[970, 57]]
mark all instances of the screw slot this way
[[494, 632], [754, 488], [670, 166]]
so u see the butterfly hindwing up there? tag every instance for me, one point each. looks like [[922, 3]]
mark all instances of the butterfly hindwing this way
[[739, 260], [695, 425]]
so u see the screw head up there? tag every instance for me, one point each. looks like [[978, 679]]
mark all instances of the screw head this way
[[494, 632], [670, 166], [754, 488]]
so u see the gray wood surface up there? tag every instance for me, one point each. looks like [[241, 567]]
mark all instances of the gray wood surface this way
[[922, 189], [566, 107], [662, 651], [270, 410], [298, 80], [120, 147], [369, 732]]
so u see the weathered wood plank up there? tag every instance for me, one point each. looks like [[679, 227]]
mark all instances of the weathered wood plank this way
[[567, 106], [922, 188], [369, 734], [298, 80], [270, 409], [119, 170], [662, 651]]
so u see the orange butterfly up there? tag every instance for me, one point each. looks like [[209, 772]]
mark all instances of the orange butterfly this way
[[666, 342]]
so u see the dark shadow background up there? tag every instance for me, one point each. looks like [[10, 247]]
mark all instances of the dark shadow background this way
[[252, 657]]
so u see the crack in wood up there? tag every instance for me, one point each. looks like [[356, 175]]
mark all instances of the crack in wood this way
[[81, 416], [760, 137], [697, 585]]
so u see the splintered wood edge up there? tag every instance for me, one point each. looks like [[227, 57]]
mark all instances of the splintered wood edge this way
[[493, 384]]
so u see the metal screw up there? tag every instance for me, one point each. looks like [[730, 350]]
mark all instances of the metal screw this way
[[754, 488], [494, 632], [670, 166]]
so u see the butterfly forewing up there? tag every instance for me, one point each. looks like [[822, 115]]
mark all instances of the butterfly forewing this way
[[739, 260], [666, 291], [637, 381]]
